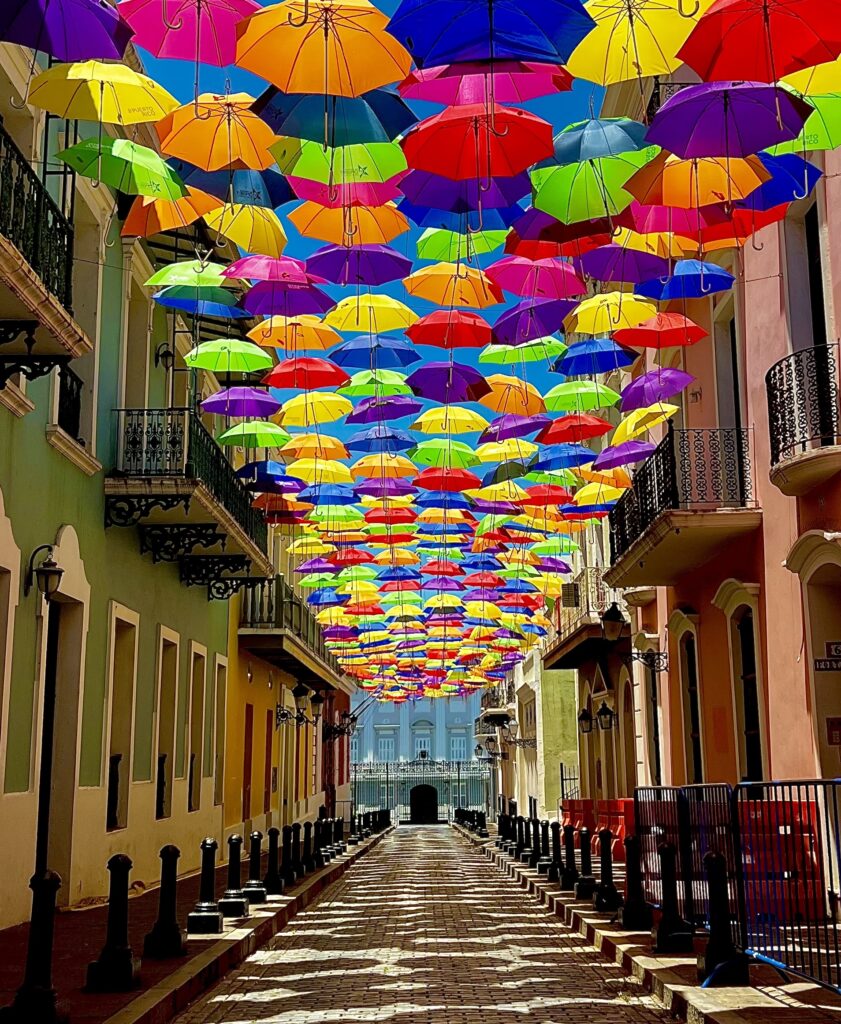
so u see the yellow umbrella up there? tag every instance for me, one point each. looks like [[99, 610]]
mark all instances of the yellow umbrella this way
[[354, 225], [395, 501], [659, 243], [633, 39], [598, 494], [315, 446], [294, 333], [507, 490], [397, 556], [549, 586], [449, 419], [518, 559], [218, 133], [640, 421], [383, 465], [313, 407], [603, 314], [331, 616], [823, 80], [93, 91], [326, 47], [443, 601], [482, 610], [253, 228], [506, 451], [310, 546], [617, 477], [370, 314], [320, 471], [444, 515], [453, 284], [512, 396]]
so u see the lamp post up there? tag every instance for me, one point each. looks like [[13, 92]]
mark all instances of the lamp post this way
[[585, 721], [606, 717], [613, 624]]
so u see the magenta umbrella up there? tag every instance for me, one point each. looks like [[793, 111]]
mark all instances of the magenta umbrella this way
[[538, 279], [204, 31], [283, 269], [505, 81], [352, 193], [651, 388]]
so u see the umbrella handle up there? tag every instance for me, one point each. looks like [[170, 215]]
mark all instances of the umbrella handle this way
[[681, 10], [805, 186], [300, 24], [173, 26]]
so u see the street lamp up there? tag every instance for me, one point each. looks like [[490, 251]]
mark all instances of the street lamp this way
[[613, 622], [316, 704], [605, 717], [299, 695], [585, 721], [47, 576]]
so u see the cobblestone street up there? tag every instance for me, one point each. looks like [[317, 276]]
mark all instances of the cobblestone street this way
[[425, 931]]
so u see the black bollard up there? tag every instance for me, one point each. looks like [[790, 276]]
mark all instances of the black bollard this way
[[254, 889], [569, 875], [272, 880], [545, 861], [297, 865], [606, 898], [554, 872], [307, 858], [353, 838], [534, 856], [500, 830], [339, 836], [636, 913], [117, 969], [234, 902], [520, 845], [586, 884], [525, 853], [672, 933], [287, 867], [205, 917], [320, 856], [721, 964], [167, 938]]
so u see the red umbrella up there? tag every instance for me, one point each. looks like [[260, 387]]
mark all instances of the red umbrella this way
[[351, 556], [451, 328], [488, 580], [666, 330], [547, 494], [434, 479], [539, 248], [477, 141], [363, 609], [575, 427], [763, 40], [400, 586], [390, 516], [439, 567], [306, 374]]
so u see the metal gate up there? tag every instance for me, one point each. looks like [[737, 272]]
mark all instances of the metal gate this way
[[395, 785]]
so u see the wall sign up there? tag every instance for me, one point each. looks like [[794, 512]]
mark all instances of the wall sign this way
[[833, 732], [828, 664]]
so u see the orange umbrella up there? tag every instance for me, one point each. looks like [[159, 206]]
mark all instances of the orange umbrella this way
[[149, 217], [294, 333], [382, 465], [452, 284], [217, 133], [357, 225], [512, 396], [688, 184]]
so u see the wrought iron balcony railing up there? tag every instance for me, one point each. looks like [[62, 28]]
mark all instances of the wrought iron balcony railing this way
[[662, 92], [804, 402], [499, 696], [33, 222], [174, 443], [692, 469], [584, 599], [273, 604]]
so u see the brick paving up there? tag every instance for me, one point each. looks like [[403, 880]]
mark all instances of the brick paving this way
[[425, 931]]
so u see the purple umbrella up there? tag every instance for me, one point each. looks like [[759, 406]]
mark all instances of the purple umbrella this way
[[482, 595], [392, 407], [728, 119], [550, 564], [496, 508], [359, 264], [317, 565], [426, 189], [514, 425], [448, 382], [624, 454], [384, 487], [528, 320], [617, 263], [443, 583], [68, 30], [251, 403], [273, 298], [657, 386]]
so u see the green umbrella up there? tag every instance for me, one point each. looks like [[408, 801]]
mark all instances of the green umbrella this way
[[401, 597], [317, 580], [822, 130], [357, 572], [376, 383], [344, 165], [450, 246], [555, 546], [255, 434], [192, 273], [555, 477], [588, 190], [229, 355], [531, 352], [580, 396], [444, 453], [126, 166], [492, 522], [335, 514]]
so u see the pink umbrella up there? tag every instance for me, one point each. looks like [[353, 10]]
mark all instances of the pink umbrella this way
[[510, 81], [203, 31], [549, 278], [358, 193], [271, 268]]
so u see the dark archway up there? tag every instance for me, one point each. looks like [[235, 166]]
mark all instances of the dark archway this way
[[423, 805]]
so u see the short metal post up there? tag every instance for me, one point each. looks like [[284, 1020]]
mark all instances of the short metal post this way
[[205, 917], [296, 850], [117, 969], [721, 964], [586, 884], [521, 836], [554, 872], [569, 875], [234, 902], [320, 856], [353, 838], [525, 853], [339, 835], [271, 880], [287, 867], [606, 898], [534, 856], [636, 913], [307, 859], [672, 934], [254, 889], [545, 861], [167, 938]]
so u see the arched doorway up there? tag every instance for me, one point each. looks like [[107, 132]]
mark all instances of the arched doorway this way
[[423, 805], [823, 599]]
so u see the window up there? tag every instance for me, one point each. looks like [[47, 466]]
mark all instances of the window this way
[[196, 731], [385, 748], [806, 280], [354, 749], [123, 672], [423, 742], [219, 758], [691, 709], [167, 691], [458, 747]]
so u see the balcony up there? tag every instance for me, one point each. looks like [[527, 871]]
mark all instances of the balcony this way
[[37, 330], [172, 481], [804, 415], [691, 497], [578, 624], [276, 625]]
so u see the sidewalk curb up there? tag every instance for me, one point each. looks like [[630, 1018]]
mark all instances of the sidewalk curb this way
[[160, 1003]]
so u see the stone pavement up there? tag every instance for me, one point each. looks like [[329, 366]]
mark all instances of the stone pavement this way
[[425, 931]]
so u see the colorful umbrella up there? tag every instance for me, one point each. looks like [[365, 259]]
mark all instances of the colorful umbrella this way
[[306, 374], [67, 30], [126, 166], [228, 355], [106, 93], [665, 330], [363, 225], [359, 264], [252, 228], [538, 279], [504, 81], [654, 387], [149, 217], [296, 334], [442, 244], [246, 402], [197, 30], [611, 311], [452, 284], [370, 314], [254, 434]]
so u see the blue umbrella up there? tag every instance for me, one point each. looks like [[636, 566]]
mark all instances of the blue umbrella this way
[[380, 438], [593, 356], [396, 573], [329, 494], [375, 351], [200, 301], [442, 499], [268, 189], [482, 563], [597, 138], [325, 597], [376, 116], [477, 220], [792, 178], [268, 476], [691, 279], [564, 456], [454, 31]]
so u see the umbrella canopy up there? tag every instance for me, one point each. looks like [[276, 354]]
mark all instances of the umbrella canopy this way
[[252, 228], [538, 279], [241, 401], [657, 386], [603, 314], [67, 30], [375, 350], [126, 166], [228, 355], [448, 383], [94, 91], [362, 225], [200, 30], [294, 333], [529, 320], [306, 374], [359, 264], [665, 330], [508, 81], [254, 434], [370, 314], [451, 284]]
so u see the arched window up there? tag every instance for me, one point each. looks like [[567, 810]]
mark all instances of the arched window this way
[[747, 697], [691, 708]]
